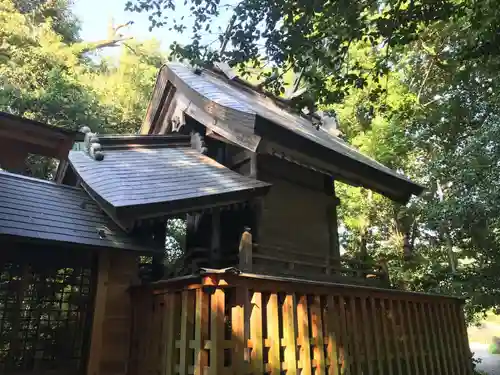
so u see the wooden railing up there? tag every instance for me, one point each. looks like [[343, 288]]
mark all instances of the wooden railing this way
[[291, 262], [221, 324]]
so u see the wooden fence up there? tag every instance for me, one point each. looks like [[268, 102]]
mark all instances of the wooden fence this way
[[229, 324]]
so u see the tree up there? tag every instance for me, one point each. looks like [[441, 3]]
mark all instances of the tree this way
[[46, 77], [310, 37]]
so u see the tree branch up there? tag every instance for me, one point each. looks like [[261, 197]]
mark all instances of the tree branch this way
[[103, 44]]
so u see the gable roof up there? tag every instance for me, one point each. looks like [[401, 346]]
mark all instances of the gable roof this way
[[41, 210], [152, 176], [245, 117]]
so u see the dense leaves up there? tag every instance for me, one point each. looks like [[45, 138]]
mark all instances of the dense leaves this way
[[312, 37], [43, 76]]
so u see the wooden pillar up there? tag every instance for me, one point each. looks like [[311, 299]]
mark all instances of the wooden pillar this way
[[112, 318], [246, 248], [215, 250], [99, 314], [332, 222], [159, 236]]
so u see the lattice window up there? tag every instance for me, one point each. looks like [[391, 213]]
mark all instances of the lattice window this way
[[45, 314]]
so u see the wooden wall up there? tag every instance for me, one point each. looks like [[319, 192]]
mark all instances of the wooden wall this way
[[295, 214], [110, 341], [249, 326]]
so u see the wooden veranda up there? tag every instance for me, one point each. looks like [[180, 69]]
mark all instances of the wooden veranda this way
[[223, 323]]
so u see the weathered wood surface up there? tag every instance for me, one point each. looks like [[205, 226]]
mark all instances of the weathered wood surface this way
[[328, 330], [293, 217], [29, 136], [111, 335]]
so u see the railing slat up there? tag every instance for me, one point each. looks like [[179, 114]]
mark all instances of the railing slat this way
[[317, 336], [387, 337], [331, 331], [273, 334], [405, 338], [378, 335], [304, 339], [217, 332], [354, 324], [444, 334], [416, 352], [347, 359], [290, 334], [172, 313], [454, 339], [435, 345], [257, 356], [186, 329], [368, 335], [420, 338], [201, 332]]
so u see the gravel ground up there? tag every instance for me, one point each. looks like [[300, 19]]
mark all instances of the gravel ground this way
[[490, 363]]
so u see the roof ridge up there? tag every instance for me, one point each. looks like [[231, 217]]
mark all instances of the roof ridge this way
[[96, 144]]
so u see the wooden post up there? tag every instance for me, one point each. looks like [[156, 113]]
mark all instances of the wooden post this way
[[273, 334], [377, 315], [386, 336], [257, 356], [238, 331], [215, 239], [201, 332], [332, 221], [317, 335], [96, 341], [246, 248], [304, 340], [289, 334], [332, 335], [186, 331], [217, 333], [173, 312]]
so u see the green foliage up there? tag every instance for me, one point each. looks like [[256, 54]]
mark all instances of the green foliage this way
[[44, 76], [309, 36]]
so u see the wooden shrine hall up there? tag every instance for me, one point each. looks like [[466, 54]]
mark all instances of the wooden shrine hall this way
[[260, 286]]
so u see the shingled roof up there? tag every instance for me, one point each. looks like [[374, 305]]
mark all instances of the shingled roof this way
[[153, 176], [246, 117], [44, 211]]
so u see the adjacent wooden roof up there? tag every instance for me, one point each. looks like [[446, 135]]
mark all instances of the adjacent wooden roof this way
[[44, 211], [245, 116], [151, 176], [36, 137]]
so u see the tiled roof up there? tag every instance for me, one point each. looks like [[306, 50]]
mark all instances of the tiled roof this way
[[158, 181], [42, 210]]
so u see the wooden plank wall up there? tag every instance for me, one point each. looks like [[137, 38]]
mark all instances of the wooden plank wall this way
[[111, 333], [247, 330], [294, 217]]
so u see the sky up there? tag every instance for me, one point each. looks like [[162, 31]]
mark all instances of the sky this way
[[95, 15]]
